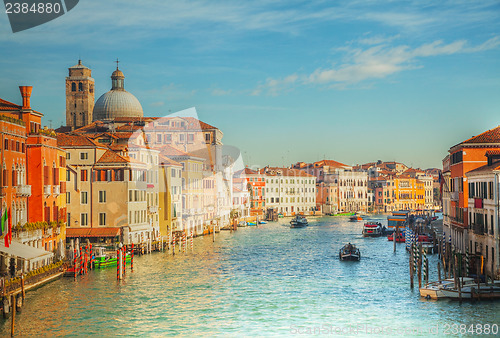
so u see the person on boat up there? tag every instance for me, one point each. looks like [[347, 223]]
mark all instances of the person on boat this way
[[349, 247]]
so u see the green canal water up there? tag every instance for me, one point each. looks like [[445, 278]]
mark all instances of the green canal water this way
[[258, 281]]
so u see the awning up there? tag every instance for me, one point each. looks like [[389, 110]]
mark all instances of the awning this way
[[92, 232], [24, 251]]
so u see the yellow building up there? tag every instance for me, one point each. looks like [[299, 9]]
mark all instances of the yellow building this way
[[170, 196], [409, 193]]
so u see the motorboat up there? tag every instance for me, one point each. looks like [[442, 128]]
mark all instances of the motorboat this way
[[372, 229], [432, 290], [298, 221], [349, 252]]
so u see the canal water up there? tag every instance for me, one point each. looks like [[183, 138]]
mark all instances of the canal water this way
[[268, 280]]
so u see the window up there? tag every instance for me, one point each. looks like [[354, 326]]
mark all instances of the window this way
[[181, 137], [158, 138], [168, 138], [102, 218], [68, 197], [190, 138], [68, 176], [68, 156], [80, 87], [102, 196], [84, 156], [84, 220], [68, 218], [83, 175], [6, 144], [83, 197], [207, 137], [73, 87]]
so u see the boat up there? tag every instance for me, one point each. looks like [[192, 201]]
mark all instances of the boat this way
[[349, 253], [251, 224], [355, 218], [280, 215], [372, 229], [397, 219], [104, 259], [298, 221], [262, 222], [432, 290], [473, 291], [400, 238], [242, 224]]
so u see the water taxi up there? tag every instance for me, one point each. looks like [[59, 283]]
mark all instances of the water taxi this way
[[355, 218], [298, 221], [349, 253], [372, 229], [473, 291]]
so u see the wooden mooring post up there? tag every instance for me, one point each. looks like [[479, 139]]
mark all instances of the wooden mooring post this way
[[13, 314], [439, 272], [394, 236], [411, 269]]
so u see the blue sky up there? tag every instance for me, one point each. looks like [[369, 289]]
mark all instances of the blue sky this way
[[286, 81]]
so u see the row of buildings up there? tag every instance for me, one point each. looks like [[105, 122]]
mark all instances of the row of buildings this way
[[112, 174], [470, 189]]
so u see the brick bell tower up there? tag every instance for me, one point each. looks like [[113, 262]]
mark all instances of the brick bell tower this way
[[79, 96]]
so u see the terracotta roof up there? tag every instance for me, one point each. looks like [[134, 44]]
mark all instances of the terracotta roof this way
[[191, 123], [485, 169], [493, 153], [489, 136], [71, 140], [166, 161], [92, 232], [273, 171], [168, 150], [6, 105], [329, 163], [111, 157]]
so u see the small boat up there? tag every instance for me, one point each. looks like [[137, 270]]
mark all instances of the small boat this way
[[355, 218], [104, 259], [372, 229], [262, 222], [280, 215], [473, 291], [400, 238], [349, 253], [432, 290], [242, 224], [250, 224], [298, 221]]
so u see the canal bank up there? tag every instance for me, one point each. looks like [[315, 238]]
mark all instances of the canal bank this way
[[264, 280]]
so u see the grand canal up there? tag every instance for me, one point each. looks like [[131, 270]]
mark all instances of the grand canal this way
[[266, 280]]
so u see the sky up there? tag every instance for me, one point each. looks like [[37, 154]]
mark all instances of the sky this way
[[285, 81]]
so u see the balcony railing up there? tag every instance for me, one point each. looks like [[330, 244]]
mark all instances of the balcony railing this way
[[153, 209], [23, 190], [47, 190], [56, 190]]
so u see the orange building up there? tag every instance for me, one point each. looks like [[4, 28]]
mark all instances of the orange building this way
[[463, 157], [34, 185]]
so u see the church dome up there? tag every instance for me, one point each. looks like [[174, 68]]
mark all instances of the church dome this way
[[117, 102]]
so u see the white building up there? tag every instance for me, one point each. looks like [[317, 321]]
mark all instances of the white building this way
[[290, 191], [484, 231]]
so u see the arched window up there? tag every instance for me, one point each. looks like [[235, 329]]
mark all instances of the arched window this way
[[73, 87], [80, 87]]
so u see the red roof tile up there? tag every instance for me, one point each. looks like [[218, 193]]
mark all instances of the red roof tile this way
[[92, 232], [489, 136], [71, 140], [111, 157]]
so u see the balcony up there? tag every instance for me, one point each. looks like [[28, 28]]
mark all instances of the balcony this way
[[454, 195], [23, 190], [47, 190], [479, 229], [56, 190], [2, 191], [478, 203], [153, 209]]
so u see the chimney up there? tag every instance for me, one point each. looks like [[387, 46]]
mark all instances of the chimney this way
[[26, 94]]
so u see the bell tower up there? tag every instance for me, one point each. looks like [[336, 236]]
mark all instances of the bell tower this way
[[79, 96]]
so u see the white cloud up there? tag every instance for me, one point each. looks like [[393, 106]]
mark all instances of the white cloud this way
[[274, 86], [220, 92], [381, 61]]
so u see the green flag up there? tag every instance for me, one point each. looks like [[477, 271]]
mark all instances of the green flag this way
[[3, 220]]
